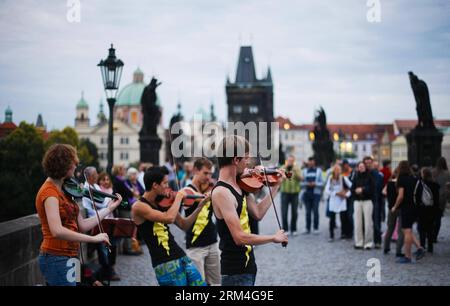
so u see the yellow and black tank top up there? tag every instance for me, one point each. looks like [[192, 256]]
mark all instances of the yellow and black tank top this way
[[203, 232], [159, 240], [235, 259]]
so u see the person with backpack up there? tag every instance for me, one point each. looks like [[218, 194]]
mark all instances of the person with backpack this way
[[406, 183], [427, 202]]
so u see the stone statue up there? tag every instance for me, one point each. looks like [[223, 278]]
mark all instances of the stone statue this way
[[320, 125], [424, 141], [423, 106], [322, 145], [150, 111]]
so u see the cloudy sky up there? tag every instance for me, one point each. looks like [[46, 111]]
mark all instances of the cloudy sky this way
[[322, 53]]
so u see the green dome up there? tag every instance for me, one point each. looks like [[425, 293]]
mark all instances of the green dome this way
[[130, 95], [8, 111], [82, 102]]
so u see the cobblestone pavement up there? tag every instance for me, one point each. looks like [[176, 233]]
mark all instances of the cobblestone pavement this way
[[312, 260]]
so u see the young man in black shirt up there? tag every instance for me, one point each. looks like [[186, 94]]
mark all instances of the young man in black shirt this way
[[232, 208], [172, 266]]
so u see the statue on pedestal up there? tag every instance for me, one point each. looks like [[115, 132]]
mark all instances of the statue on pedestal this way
[[149, 141]]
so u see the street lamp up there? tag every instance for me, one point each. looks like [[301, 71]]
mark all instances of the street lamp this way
[[111, 69]]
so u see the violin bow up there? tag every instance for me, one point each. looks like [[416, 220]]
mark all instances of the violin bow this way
[[100, 226], [284, 244]]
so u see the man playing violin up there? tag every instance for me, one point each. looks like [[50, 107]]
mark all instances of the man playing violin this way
[[232, 208], [172, 266], [61, 221], [201, 237]]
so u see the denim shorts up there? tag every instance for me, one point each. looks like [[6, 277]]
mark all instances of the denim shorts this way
[[58, 270], [179, 272], [239, 280]]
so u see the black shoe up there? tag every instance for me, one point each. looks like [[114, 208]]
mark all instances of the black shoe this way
[[386, 251], [358, 247], [399, 255], [420, 253]]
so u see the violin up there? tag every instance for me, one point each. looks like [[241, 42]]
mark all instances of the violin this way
[[72, 188], [189, 200], [255, 179]]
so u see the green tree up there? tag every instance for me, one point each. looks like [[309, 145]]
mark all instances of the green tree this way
[[67, 136], [88, 153], [21, 175]]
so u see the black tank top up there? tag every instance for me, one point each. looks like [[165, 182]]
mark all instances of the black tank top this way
[[159, 240], [203, 232], [235, 259]]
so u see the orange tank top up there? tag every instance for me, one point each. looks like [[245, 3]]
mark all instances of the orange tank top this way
[[68, 211]]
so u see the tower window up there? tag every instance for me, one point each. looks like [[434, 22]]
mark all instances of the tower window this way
[[237, 109], [253, 109]]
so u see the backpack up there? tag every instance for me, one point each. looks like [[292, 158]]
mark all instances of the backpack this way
[[426, 196]]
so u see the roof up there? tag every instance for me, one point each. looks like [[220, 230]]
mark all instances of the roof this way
[[131, 94], [6, 128], [362, 131], [246, 73], [410, 124], [246, 67]]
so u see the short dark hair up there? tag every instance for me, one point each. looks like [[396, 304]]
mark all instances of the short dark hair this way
[[367, 158], [240, 147], [58, 160], [154, 174], [202, 162], [386, 162], [311, 158]]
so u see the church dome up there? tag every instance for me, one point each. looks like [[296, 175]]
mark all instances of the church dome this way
[[131, 94], [82, 102]]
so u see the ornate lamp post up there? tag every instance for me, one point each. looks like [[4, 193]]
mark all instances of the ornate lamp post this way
[[111, 69]]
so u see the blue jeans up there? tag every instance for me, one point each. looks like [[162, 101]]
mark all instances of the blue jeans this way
[[239, 280], [179, 272], [57, 270], [312, 206]]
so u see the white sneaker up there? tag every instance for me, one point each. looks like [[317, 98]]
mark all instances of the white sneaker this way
[[294, 233], [316, 232]]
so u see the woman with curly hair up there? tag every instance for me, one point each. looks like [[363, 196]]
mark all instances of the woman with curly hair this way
[[61, 221]]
